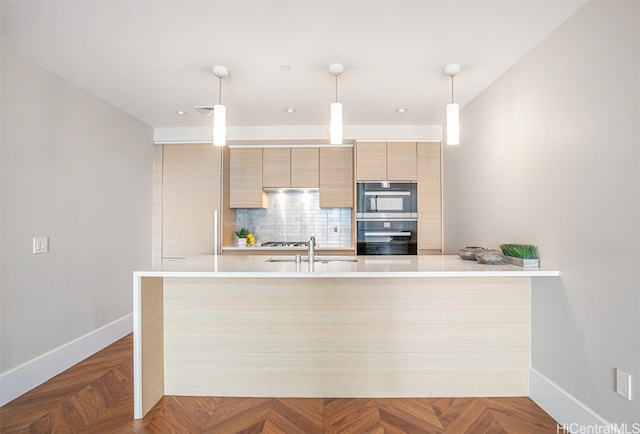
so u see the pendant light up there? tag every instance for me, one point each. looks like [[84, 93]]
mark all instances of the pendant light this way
[[335, 126], [453, 109], [220, 111]]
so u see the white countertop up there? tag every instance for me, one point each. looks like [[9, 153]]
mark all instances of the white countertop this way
[[366, 266]]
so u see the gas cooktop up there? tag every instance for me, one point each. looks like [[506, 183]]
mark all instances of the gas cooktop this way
[[285, 244]]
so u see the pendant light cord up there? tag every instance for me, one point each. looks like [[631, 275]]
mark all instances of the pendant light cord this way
[[220, 90], [452, 89], [336, 87]]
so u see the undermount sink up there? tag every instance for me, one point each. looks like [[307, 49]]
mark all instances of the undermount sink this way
[[317, 259]]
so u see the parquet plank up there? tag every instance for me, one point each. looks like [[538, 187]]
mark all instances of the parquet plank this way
[[239, 417], [405, 415], [351, 416], [464, 420], [96, 396], [483, 423], [518, 416], [296, 415]]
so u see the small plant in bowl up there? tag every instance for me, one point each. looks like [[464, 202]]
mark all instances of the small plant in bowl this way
[[242, 233], [525, 255], [245, 238]]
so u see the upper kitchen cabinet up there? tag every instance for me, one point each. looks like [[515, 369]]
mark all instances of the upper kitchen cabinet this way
[[290, 167], [245, 178], [305, 167], [190, 195], [371, 161], [276, 167], [336, 177], [401, 161], [386, 161], [429, 198]]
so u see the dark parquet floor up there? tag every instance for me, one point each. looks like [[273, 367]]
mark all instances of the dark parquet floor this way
[[96, 396]]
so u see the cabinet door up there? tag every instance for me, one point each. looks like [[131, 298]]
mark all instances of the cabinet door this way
[[305, 167], [276, 167], [245, 178], [371, 161], [429, 198], [401, 161], [190, 195], [336, 177]]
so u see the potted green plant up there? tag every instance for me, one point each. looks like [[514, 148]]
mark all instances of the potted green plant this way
[[241, 235], [525, 255]]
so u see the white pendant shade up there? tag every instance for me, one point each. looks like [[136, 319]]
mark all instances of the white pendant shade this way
[[219, 110], [219, 125], [453, 124], [453, 109], [335, 123], [335, 127]]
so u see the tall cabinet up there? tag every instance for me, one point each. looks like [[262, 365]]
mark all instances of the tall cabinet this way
[[191, 195], [429, 198], [409, 161]]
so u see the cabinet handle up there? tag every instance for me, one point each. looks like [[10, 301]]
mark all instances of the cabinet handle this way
[[387, 193], [215, 233], [387, 234]]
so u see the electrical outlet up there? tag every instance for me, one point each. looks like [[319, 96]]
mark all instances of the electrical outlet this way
[[623, 384], [40, 245]]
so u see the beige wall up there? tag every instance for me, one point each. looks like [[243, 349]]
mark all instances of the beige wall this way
[[77, 170], [550, 155]]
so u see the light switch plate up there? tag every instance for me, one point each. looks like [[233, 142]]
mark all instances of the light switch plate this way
[[40, 245], [623, 384]]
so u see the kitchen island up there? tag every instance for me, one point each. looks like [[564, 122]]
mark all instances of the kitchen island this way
[[382, 326]]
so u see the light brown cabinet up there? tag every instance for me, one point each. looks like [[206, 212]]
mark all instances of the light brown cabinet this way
[[401, 161], [429, 198], [386, 161], [276, 167], [305, 167], [191, 193], [290, 167], [371, 161], [245, 178], [336, 177]]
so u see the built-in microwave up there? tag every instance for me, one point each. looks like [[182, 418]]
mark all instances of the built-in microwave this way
[[386, 200]]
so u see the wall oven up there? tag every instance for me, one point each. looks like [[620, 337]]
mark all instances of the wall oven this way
[[393, 237], [386, 200], [386, 218]]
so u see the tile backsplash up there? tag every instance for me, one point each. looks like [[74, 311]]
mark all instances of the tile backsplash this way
[[295, 216]]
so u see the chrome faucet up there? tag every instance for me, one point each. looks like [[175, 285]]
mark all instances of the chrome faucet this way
[[312, 249]]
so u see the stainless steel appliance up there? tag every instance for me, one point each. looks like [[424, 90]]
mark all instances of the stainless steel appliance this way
[[392, 237], [387, 200], [387, 218]]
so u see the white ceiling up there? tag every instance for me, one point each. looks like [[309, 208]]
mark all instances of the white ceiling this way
[[151, 58]]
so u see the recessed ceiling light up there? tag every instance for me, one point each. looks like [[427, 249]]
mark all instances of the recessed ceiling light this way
[[284, 68], [290, 110], [402, 110], [181, 112]]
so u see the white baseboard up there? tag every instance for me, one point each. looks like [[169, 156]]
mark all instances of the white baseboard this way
[[25, 377], [570, 413]]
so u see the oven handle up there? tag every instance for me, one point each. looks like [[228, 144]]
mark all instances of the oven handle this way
[[387, 234], [387, 193]]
